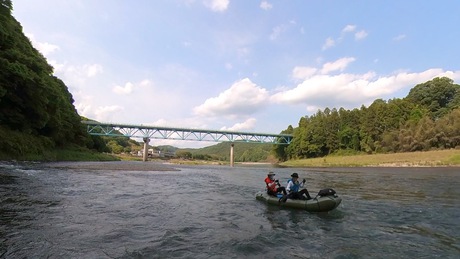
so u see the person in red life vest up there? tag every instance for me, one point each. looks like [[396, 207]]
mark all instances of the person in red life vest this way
[[273, 186]]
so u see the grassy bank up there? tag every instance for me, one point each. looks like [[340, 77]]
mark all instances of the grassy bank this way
[[449, 157], [429, 158]]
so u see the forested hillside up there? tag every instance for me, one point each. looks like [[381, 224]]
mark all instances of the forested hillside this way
[[243, 152], [427, 118], [36, 108]]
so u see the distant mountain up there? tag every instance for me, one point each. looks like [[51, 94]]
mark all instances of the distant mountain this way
[[243, 152], [167, 148]]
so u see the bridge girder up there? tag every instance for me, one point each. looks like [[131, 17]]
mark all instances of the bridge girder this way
[[153, 132]]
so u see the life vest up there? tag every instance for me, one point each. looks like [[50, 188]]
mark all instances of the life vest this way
[[271, 185], [295, 187]]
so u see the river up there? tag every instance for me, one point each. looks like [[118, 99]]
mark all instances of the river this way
[[49, 211]]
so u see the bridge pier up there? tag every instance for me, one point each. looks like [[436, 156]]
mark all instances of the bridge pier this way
[[146, 149], [232, 159]]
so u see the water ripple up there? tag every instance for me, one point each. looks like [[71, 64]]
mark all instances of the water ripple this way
[[211, 212]]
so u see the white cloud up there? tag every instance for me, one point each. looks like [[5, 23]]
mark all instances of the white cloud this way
[[307, 72], [277, 31], [349, 28], [160, 122], [187, 2], [339, 65], [330, 42], [127, 89], [303, 72], [93, 69], [399, 37], [145, 82], [249, 124], [353, 89], [106, 113], [84, 108], [360, 35], [191, 122], [266, 5], [243, 52], [76, 76], [58, 67], [242, 98], [44, 47], [217, 5], [101, 113], [237, 43]]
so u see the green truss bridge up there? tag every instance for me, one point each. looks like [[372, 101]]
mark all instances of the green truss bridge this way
[[155, 132]]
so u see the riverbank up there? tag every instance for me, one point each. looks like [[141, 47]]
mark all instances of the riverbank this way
[[450, 157], [111, 166]]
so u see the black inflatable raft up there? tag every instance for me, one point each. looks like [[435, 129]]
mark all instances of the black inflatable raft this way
[[317, 204]]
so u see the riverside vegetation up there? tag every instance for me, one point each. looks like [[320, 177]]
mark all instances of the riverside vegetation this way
[[38, 120], [450, 157]]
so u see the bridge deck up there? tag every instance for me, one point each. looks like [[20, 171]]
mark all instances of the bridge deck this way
[[154, 132]]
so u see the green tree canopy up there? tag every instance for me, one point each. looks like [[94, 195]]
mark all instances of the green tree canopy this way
[[32, 100], [6, 6], [436, 95]]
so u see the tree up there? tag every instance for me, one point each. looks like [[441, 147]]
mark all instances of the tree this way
[[448, 129], [32, 100], [253, 155], [348, 134], [436, 95], [115, 147], [183, 154], [6, 6], [373, 124], [280, 150]]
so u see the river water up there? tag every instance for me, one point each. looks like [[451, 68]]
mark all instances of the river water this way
[[211, 212]]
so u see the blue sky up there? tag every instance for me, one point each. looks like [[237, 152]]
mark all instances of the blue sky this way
[[244, 65]]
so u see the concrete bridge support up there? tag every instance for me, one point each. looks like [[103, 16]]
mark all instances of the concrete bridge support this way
[[146, 149], [232, 158]]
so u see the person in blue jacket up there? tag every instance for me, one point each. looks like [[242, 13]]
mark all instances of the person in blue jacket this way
[[295, 189]]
